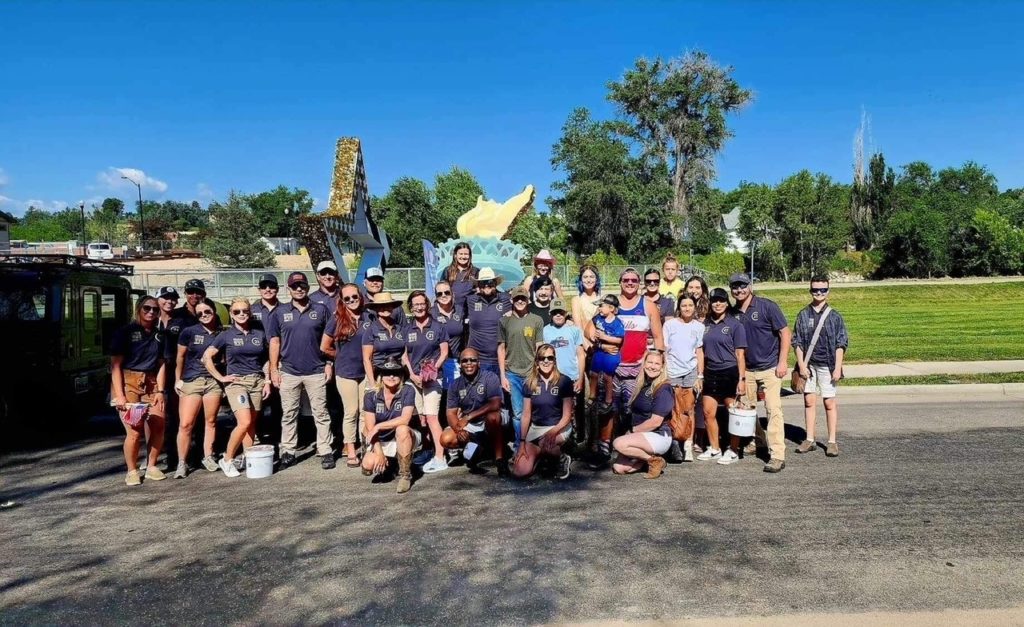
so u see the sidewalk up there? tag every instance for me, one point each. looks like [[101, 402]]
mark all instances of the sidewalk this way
[[914, 368]]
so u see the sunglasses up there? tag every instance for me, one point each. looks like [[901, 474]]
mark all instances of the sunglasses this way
[[739, 286], [150, 308], [652, 281], [469, 360], [819, 290], [240, 312], [629, 281], [267, 286], [445, 293], [327, 273], [521, 299], [376, 279], [206, 312], [390, 374], [195, 292], [299, 286], [488, 284], [545, 359], [350, 299]]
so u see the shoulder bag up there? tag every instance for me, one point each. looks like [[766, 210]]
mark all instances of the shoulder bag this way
[[797, 382]]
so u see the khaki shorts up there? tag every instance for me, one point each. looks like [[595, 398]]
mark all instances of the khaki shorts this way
[[246, 392], [390, 447], [428, 401], [820, 382], [201, 386], [140, 387], [536, 432]]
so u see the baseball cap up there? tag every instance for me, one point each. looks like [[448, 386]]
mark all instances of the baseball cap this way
[[718, 294], [326, 265], [195, 284], [296, 278], [739, 277], [268, 279], [520, 292], [610, 299], [168, 292], [374, 272], [558, 305]]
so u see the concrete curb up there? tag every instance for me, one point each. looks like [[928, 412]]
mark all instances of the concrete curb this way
[[952, 393]]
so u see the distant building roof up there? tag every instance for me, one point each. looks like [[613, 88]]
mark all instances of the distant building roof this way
[[731, 220], [6, 217]]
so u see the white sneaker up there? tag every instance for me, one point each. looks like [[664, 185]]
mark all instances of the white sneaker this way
[[711, 453], [434, 465], [688, 452], [227, 466], [730, 457]]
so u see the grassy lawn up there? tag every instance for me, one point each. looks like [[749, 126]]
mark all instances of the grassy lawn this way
[[924, 322], [932, 379]]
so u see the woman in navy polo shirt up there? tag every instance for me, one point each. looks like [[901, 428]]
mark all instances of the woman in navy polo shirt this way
[[453, 318], [461, 275], [547, 415], [246, 383], [137, 375], [426, 346], [196, 388], [387, 412], [651, 408], [383, 339], [725, 340], [343, 341]]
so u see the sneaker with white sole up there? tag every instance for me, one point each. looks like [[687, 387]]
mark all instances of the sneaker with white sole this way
[[182, 470], [210, 463], [564, 467], [132, 478], [154, 474], [711, 453], [688, 452], [434, 465], [227, 466], [729, 457]]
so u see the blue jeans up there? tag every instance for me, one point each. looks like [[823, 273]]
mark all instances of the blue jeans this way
[[517, 385], [449, 372]]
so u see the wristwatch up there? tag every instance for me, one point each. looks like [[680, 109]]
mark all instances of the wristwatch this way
[[700, 376]]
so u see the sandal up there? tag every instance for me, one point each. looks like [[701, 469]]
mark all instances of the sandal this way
[[353, 462]]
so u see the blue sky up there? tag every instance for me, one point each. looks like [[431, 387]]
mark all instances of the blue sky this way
[[206, 97]]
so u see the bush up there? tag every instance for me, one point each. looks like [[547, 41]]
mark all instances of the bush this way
[[720, 265], [863, 263]]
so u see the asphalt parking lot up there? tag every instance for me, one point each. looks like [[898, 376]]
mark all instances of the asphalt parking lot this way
[[921, 512]]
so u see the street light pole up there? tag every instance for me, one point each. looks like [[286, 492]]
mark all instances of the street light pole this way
[[81, 207], [142, 220]]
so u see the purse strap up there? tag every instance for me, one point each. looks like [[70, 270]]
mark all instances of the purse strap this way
[[816, 335]]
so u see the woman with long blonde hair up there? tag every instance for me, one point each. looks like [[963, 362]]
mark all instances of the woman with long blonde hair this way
[[548, 398], [651, 408]]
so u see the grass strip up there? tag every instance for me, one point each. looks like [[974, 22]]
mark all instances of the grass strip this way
[[938, 379]]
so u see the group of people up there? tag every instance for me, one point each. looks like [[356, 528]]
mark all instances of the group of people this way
[[633, 379]]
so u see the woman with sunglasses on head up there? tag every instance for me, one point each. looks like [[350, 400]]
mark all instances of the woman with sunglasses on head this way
[[650, 407], [247, 382], [196, 389], [426, 350], [137, 375], [343, 342], [388, 409], [725, 342], [461, 274], [547, 415]]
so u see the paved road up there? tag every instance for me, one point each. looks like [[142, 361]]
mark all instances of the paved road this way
[[921, 513]]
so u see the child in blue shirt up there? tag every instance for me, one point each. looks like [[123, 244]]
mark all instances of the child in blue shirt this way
[[606, 331]]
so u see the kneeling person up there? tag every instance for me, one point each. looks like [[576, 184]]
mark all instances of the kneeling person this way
[[474, 412], [547, 415], [387, 413]]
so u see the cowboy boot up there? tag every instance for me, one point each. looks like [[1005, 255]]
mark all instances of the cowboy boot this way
[[404, 473]]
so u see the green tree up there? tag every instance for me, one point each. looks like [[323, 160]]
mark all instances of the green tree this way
[[815, 221], [871, 202], [759, 225], [991, 245], [914, 244], [677, 110], [38, 225], [455, 193], [405, 213], [534, 231], [234, 240], [277, 211], [104, 220], [705, 233]]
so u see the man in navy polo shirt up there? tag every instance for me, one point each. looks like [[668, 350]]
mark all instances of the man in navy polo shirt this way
[[768, 342], [296, 364], [484, 311], [268, 301], [268, 429], [474, 412], [329, 291], [373, 284]]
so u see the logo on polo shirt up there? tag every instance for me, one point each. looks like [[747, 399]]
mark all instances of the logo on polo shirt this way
[[312, 315], [238, 341], [380, 407], [725, 330], [754, 316], [174, 328], [480, 389], [554, 391], [462, 393], [500, 307], [430, 336], [397, 406], [288, 317], [412, 336], [256, 341], [382, 336], [198, 339], [649, 392], [257, 315], [136, 336], [479, 307]]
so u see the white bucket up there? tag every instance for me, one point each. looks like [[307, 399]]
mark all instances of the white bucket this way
[[259, 461], [742, 421]]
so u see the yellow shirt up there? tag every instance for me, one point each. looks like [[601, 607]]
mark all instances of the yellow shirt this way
[[671, 288]]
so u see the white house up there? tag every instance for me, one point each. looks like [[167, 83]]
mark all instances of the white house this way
[[730, 225]]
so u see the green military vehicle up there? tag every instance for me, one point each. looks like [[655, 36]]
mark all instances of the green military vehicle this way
[[58, 314]]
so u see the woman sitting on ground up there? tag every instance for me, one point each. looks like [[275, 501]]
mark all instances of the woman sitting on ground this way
[[387, 413], [547, 415], [651, 408]]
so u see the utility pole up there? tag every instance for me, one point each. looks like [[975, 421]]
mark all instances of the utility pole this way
[[81, 207], [142, 220]]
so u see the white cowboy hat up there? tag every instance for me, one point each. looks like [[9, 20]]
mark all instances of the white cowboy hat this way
[[487, 274], [383, 299]]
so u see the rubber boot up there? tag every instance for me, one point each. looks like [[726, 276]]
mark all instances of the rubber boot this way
[[404, 473]]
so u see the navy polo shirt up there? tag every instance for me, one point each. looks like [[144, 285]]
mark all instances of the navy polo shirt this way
[[196, 339], [484, 319], [325, 299], [454, 326], [424, 343], [142, 350], [666, 306], [348, 357], [654, 403], [300, 333], [721, 339], [245, 353], [181, 319], [763, 320], [385, 343], [463, 286], [260, 314], [472, 394], [373, 402], [546, 403]]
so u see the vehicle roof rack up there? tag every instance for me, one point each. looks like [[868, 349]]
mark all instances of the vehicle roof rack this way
[[70, 262]]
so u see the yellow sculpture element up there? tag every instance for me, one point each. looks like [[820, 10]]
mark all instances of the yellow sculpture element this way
[[347, 163], [490, 219]]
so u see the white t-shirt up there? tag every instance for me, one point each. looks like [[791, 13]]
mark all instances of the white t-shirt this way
[[682, 339]]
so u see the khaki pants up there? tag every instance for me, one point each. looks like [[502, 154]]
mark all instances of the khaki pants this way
[[351, 392], [291, 398], [773, 406]]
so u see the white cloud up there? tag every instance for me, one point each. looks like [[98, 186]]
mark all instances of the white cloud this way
[[112, 179], [204, 192], [19, 207], [4, 179]]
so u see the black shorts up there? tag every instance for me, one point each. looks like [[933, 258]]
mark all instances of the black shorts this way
[[721, 384]]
